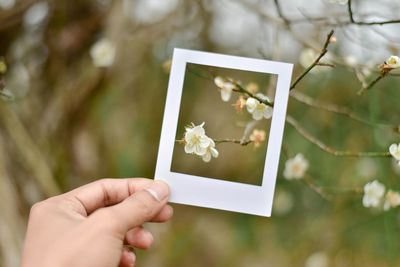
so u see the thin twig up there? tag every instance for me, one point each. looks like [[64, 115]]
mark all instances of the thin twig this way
[[363, 23], [316, 61], [350, 11], [326, 64], [239, 88], [247, 130], [328, 192], [310, 183], [371, 84], [314, 140], [219, 141], [280, 13], [234, 141], [305, 99], [210, 76]]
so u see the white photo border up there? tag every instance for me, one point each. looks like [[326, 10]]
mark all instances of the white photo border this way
[[213, 193]]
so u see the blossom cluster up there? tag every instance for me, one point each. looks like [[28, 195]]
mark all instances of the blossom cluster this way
[[374, 196], [257, 109], [198, 143]]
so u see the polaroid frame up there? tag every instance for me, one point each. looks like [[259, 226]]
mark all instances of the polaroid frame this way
[[213, 193]]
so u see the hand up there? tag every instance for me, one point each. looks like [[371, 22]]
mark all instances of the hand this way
[[89, 225]]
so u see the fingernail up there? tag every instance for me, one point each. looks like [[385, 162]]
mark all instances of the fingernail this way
[[159, 190]]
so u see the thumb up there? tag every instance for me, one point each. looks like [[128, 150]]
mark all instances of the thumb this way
[[137, 209]]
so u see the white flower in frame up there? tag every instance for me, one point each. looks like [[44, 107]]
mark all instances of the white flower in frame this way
[[373, 193], [393, 62], [211, 151], [394, 150], [392, 200], [196, 141], [225, 86], [257, 109], [103, 53], [296, 167]]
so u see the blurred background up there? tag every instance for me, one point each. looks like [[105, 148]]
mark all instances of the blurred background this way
[[83, 86]]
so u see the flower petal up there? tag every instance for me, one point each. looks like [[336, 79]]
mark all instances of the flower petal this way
[[189, 148], [251, 104], [268, 112], [200, 150], [219, 81], [207, 157], [204, 141], [214, 152], [258, 114], [225, 94]]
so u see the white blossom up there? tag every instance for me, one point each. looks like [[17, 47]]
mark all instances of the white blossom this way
[[7, 4], [210, 152], [317, 259], [393, 62], [392, 200], [373, 193], [257, 109], [394, 150], [296, 167], [226, 88], [196, 141], [103, 53]]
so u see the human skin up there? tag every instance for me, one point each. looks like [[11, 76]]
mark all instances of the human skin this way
[[90, 225]]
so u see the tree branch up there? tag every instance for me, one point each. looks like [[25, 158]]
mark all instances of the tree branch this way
[[363, 23], [241, 89], [314, 140], [345, 111], [316, 61], [371, 84]]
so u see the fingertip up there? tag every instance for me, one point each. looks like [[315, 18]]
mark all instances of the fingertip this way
[[128, 258], [139, 238]]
